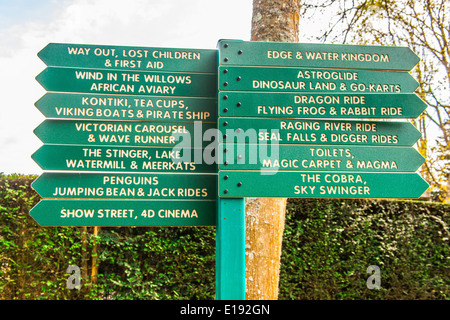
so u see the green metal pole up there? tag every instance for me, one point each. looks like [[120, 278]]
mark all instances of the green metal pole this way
[[230, 249]]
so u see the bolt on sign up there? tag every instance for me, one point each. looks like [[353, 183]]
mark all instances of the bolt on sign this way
[[124, 134]]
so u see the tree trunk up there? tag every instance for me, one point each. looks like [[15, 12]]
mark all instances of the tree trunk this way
[[275, 21], [94, 271]]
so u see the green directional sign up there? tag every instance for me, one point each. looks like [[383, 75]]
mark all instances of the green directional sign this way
[[125, 213], [272, 79], [129, 58], [124, 159], [318, 158], [237, 184], [316, 131], [254, 53], [125, 107], [320, 105], [125, 186], [128, 82], [125, 133]]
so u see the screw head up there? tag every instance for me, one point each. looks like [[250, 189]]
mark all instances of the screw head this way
[[225, 191], [226, 177], [225, 109], [226, 59], [225, 84], [225, 45], [239, 184], [225, 70], [225, 123], [240, 52], [238, 78], [238, 104]]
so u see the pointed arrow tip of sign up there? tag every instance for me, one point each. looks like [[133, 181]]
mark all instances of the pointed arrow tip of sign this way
[[38, 130], [36, 158], [43, 54], [40, 78]]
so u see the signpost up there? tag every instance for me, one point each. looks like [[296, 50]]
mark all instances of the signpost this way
[[129, 58], [320, 184], [130, 135], [125, 107], [320, 105], [314, 131], [297, 120], [122, 159], [124, 133], [134, 83], [125, 186], [319, 158], [254, 53], [273, 79], [132, 121], [122, 213]]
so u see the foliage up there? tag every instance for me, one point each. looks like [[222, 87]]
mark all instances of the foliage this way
[[33, 260], [158, 263], [328, 245]]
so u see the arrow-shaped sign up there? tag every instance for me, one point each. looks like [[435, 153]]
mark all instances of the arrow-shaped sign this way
[[125, 186], [122, 159], [257, 53], [302, 80], [316, 131], [125, 133], [125, 213], [128, 82], [125, 107], [129, 58], [236, 184], [320, 105], [316, 158]]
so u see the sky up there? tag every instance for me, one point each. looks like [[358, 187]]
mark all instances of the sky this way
[[27, 26]]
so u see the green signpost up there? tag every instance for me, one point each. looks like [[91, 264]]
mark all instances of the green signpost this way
[[132, 120], [319, 158], [318, 131], [128, 82], [275, 79], [297, 120], [123, 159], [255, 53], [320, 105], [121, 213], [320, 184], [125, 186], [124, 133], [146, 136], [125, 107], [129, 58]]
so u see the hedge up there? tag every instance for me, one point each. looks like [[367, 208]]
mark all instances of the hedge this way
[[328, 246]]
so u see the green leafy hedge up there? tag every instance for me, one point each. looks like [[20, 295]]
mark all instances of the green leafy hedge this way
[[328, 246]]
